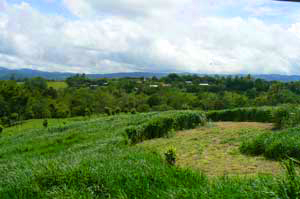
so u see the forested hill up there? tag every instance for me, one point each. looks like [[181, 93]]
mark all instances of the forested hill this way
[[6, 74]]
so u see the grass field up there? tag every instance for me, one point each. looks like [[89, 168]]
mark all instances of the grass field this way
[[37, 124], [57, 85], [215, 149], [91, 158]]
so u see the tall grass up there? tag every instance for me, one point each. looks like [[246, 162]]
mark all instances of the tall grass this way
[[161, 126], [90, 159], [284, 116], [262, 114], [274, 145]]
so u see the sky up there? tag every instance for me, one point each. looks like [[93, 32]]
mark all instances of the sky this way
[[107, 36]]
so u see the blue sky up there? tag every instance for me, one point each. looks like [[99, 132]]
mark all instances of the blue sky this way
[[48, 7], [203, 36]]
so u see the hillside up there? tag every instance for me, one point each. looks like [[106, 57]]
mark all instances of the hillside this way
[[90, 158], [6, 74]]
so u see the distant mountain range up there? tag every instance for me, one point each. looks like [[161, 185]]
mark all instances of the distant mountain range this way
[[6, 74]]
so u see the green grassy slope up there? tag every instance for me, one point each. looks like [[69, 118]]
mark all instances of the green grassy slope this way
[[90, 159]]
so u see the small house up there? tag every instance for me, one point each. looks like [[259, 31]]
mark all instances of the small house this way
[[204, 84]]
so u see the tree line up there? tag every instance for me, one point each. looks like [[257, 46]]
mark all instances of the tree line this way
[[33, 98]]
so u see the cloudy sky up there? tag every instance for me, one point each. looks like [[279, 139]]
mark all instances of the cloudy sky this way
[[104, 36]]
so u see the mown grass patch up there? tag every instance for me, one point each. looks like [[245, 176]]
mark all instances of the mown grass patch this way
[[215, 150]]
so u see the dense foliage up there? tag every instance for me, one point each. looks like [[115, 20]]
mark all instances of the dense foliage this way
[[274, 145], [262, 114], [161, 126], [284, 116], [90, 159], [33, 99]]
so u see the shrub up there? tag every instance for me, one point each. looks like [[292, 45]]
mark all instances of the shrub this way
[[280, 115], [14, 116], [118, 110], [161, 126], [134, 134], [158, 127], [189, 120], [1, 129], [45, 123], [108, 111], [125, 110], [133, 111], [276, 145], [255, 146], [286, 116], [143, 108], [170, 156], [262, 114], [87, 112]]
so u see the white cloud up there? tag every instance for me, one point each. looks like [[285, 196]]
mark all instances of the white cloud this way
[[295, 28], [86, 8], [140, 39]]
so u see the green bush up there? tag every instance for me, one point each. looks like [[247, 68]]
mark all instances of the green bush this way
[[170, 156], [275, 145], [45, 123], [161, 126], [125, 110], [133, 111], [143, 108], [286, 116], [108, 111], [280, 115], [1, 129], [262, 114], [189, 120], [118, 110]]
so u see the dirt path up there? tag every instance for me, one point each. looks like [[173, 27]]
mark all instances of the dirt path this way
[[215, 149]]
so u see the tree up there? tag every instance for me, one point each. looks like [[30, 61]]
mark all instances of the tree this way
[[143, 108], [233, 100], [36, 84], [155, 100]]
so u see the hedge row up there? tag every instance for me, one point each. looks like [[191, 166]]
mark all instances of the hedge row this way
[[277, 145], [242, 114], [284, 116], [161, 126]]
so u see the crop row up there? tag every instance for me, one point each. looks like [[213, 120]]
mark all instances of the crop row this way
[[161, 126]]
